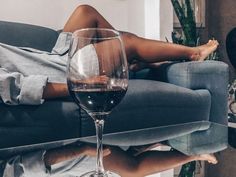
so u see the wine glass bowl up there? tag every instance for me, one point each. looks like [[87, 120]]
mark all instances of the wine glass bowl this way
[[97, 78]]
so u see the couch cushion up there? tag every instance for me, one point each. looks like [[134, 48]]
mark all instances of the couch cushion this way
[[147, 104], [23, 125], [25, 35], [151, 104]]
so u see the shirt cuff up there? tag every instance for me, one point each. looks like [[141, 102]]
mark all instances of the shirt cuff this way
[[33, 164], [32, 90]]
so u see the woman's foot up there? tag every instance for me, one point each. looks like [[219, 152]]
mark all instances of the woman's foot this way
[[207, 157], [203, 51]]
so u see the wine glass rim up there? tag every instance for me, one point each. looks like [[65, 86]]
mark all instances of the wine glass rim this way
[[116, 33]]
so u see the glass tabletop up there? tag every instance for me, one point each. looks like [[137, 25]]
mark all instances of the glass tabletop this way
[[180, 136]]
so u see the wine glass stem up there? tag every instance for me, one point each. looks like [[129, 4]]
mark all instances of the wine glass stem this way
[[99, 123]]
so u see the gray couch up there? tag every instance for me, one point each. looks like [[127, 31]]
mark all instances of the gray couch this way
[[177, 103]]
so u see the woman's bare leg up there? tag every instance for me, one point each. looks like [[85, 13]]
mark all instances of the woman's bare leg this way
[[85, 16], [121, 162], [149, 162], [152, 162], [136, 47], [152, 51]]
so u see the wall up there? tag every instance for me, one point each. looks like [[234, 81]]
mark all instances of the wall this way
[[158, 23], [221, 18], [135, 16], [54, 13], [126, 15], [166, 16]]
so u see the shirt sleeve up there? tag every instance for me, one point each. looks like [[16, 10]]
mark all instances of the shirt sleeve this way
[[17, 89], [63, 43], [28, 165]]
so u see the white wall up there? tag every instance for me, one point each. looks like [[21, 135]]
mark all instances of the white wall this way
[[141, 17], [166, 20], [136, 16], [152, 19], [54, 13]]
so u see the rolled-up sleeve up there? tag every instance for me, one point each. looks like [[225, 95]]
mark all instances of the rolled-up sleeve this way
[[17, 89], [28, 165]]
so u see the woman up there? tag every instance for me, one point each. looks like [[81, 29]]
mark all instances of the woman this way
[[141, 52], [36, 75]]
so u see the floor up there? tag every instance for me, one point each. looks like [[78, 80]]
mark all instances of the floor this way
[[226, 166]]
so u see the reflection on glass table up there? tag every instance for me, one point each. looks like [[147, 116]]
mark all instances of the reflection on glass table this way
[[75, 157]]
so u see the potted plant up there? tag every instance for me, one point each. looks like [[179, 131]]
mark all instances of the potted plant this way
[[185, 12]]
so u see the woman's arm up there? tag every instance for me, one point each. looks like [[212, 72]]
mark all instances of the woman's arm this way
[[55, 90], [15, 88]]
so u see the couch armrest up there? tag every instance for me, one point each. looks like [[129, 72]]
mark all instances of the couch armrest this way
[[210, 75]]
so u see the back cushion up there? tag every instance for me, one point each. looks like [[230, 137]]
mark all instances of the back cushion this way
[[25, 35]]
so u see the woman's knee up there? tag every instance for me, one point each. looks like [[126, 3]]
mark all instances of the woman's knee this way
[[130, 42], [85, 10], [129, 37]]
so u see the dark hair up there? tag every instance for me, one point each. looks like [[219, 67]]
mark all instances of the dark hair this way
[[231, 46]]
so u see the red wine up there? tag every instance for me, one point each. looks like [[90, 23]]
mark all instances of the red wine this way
[[98, 100]]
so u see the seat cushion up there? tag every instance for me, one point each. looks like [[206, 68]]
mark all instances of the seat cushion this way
[[152, 103], [147, 104], [51, 121]]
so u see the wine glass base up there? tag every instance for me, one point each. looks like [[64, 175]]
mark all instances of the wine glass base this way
[[106, 174]]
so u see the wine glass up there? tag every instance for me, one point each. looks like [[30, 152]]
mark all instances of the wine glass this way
[[97, 78]]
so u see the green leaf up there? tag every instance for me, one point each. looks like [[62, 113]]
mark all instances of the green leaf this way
[[188, 169], [186, 18]]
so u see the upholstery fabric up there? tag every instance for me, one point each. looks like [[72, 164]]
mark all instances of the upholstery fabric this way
[[26, 35]]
